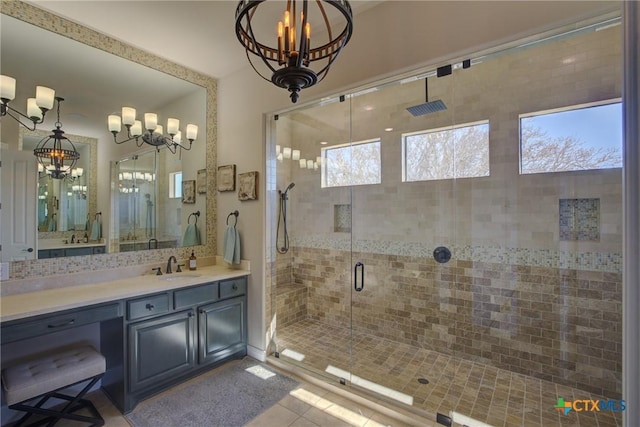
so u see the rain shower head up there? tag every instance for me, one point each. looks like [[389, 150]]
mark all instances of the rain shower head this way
[[427, 107]]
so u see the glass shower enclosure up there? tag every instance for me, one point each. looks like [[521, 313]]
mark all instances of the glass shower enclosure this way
[[455, 234]]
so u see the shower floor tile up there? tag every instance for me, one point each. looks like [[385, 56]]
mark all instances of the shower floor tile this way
[[494, 396]]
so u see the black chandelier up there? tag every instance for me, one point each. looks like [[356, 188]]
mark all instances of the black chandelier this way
[[154, 134], [55, 159], [294, 52]]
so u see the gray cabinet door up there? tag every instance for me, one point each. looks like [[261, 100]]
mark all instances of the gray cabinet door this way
[[222, 329], [161, 349]]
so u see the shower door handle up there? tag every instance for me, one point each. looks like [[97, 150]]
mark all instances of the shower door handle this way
[[355, 276]]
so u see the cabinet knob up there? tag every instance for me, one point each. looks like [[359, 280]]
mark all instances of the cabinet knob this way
[[234, 287], [150, 306]]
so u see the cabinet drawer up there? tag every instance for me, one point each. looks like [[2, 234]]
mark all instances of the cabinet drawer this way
[[78, 251], [56, 253], [98, 250], [147, 306], [17, 330], [196, 295], [232, 288]]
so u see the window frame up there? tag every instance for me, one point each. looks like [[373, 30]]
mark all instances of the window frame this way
[[441, 129], [574, 107], [325, 162]]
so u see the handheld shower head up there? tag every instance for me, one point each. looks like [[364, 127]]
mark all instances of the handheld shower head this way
[[284, 194], [290, 187]]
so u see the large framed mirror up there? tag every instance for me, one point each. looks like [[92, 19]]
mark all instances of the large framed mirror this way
[[97, 76]]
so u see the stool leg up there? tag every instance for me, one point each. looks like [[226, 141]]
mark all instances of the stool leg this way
[[26, 416], [74, 403]]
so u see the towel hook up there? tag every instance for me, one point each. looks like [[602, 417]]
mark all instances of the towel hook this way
[[234, 213], [98, 213], [196, 214]]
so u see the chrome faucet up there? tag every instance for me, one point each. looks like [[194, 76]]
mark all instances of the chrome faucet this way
[[73, 238], [172, 257]]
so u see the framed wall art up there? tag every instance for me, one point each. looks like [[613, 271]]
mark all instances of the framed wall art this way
[[201, 181], [227, 178], [248, 186], [189, 191]]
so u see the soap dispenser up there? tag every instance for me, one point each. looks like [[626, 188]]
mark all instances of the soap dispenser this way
[[86, 238], [192, 261]]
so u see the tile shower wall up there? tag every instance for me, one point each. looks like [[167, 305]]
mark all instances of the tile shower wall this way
[[516, 294], [561, 325]]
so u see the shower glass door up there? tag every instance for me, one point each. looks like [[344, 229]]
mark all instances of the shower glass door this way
[[403, 212], [310, 238]]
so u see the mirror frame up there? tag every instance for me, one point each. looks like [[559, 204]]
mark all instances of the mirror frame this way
[[46, 20]]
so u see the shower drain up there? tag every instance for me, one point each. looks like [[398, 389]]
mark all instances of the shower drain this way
[[423, 381]]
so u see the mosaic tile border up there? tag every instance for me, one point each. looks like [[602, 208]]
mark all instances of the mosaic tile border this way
[[555, 258]]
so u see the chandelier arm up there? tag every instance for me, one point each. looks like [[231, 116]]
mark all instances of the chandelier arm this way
[[124, 140], [34, 122]]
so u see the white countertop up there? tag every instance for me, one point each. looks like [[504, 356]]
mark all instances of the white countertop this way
[[29, 304]]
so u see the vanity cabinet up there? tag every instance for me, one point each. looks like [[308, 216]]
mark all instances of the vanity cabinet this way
[[160, 349], [174, 335], [221, 329]]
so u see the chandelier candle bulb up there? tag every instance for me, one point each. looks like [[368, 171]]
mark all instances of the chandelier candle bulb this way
[[286, 31], [177, 138], [150, 121], [7, 88], [192, 132], [303, 163], [33, 111], [309, 164], [172, 126], [128, 116], [159, 130], [277, 149], [286, 152], [115, 124], [295, 155]]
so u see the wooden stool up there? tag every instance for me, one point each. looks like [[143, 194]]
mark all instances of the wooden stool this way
[[43, 377]]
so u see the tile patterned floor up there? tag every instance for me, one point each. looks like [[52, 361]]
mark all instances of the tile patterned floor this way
[[306, 406], [494, 396]]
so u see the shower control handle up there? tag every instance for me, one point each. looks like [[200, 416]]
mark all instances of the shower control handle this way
[[355, 277]]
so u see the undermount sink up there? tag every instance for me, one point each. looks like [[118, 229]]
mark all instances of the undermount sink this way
[[177, 276]]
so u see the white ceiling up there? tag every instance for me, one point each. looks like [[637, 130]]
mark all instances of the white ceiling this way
[[197, 34]]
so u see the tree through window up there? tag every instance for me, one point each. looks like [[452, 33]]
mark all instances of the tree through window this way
[[355, 164], [579, 138], [454, 152]]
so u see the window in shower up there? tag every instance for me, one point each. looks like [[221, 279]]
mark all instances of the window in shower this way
[[574, 138], [460, 151], [351, 164]]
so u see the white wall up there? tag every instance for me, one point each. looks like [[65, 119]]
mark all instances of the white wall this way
[[394, 37]]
